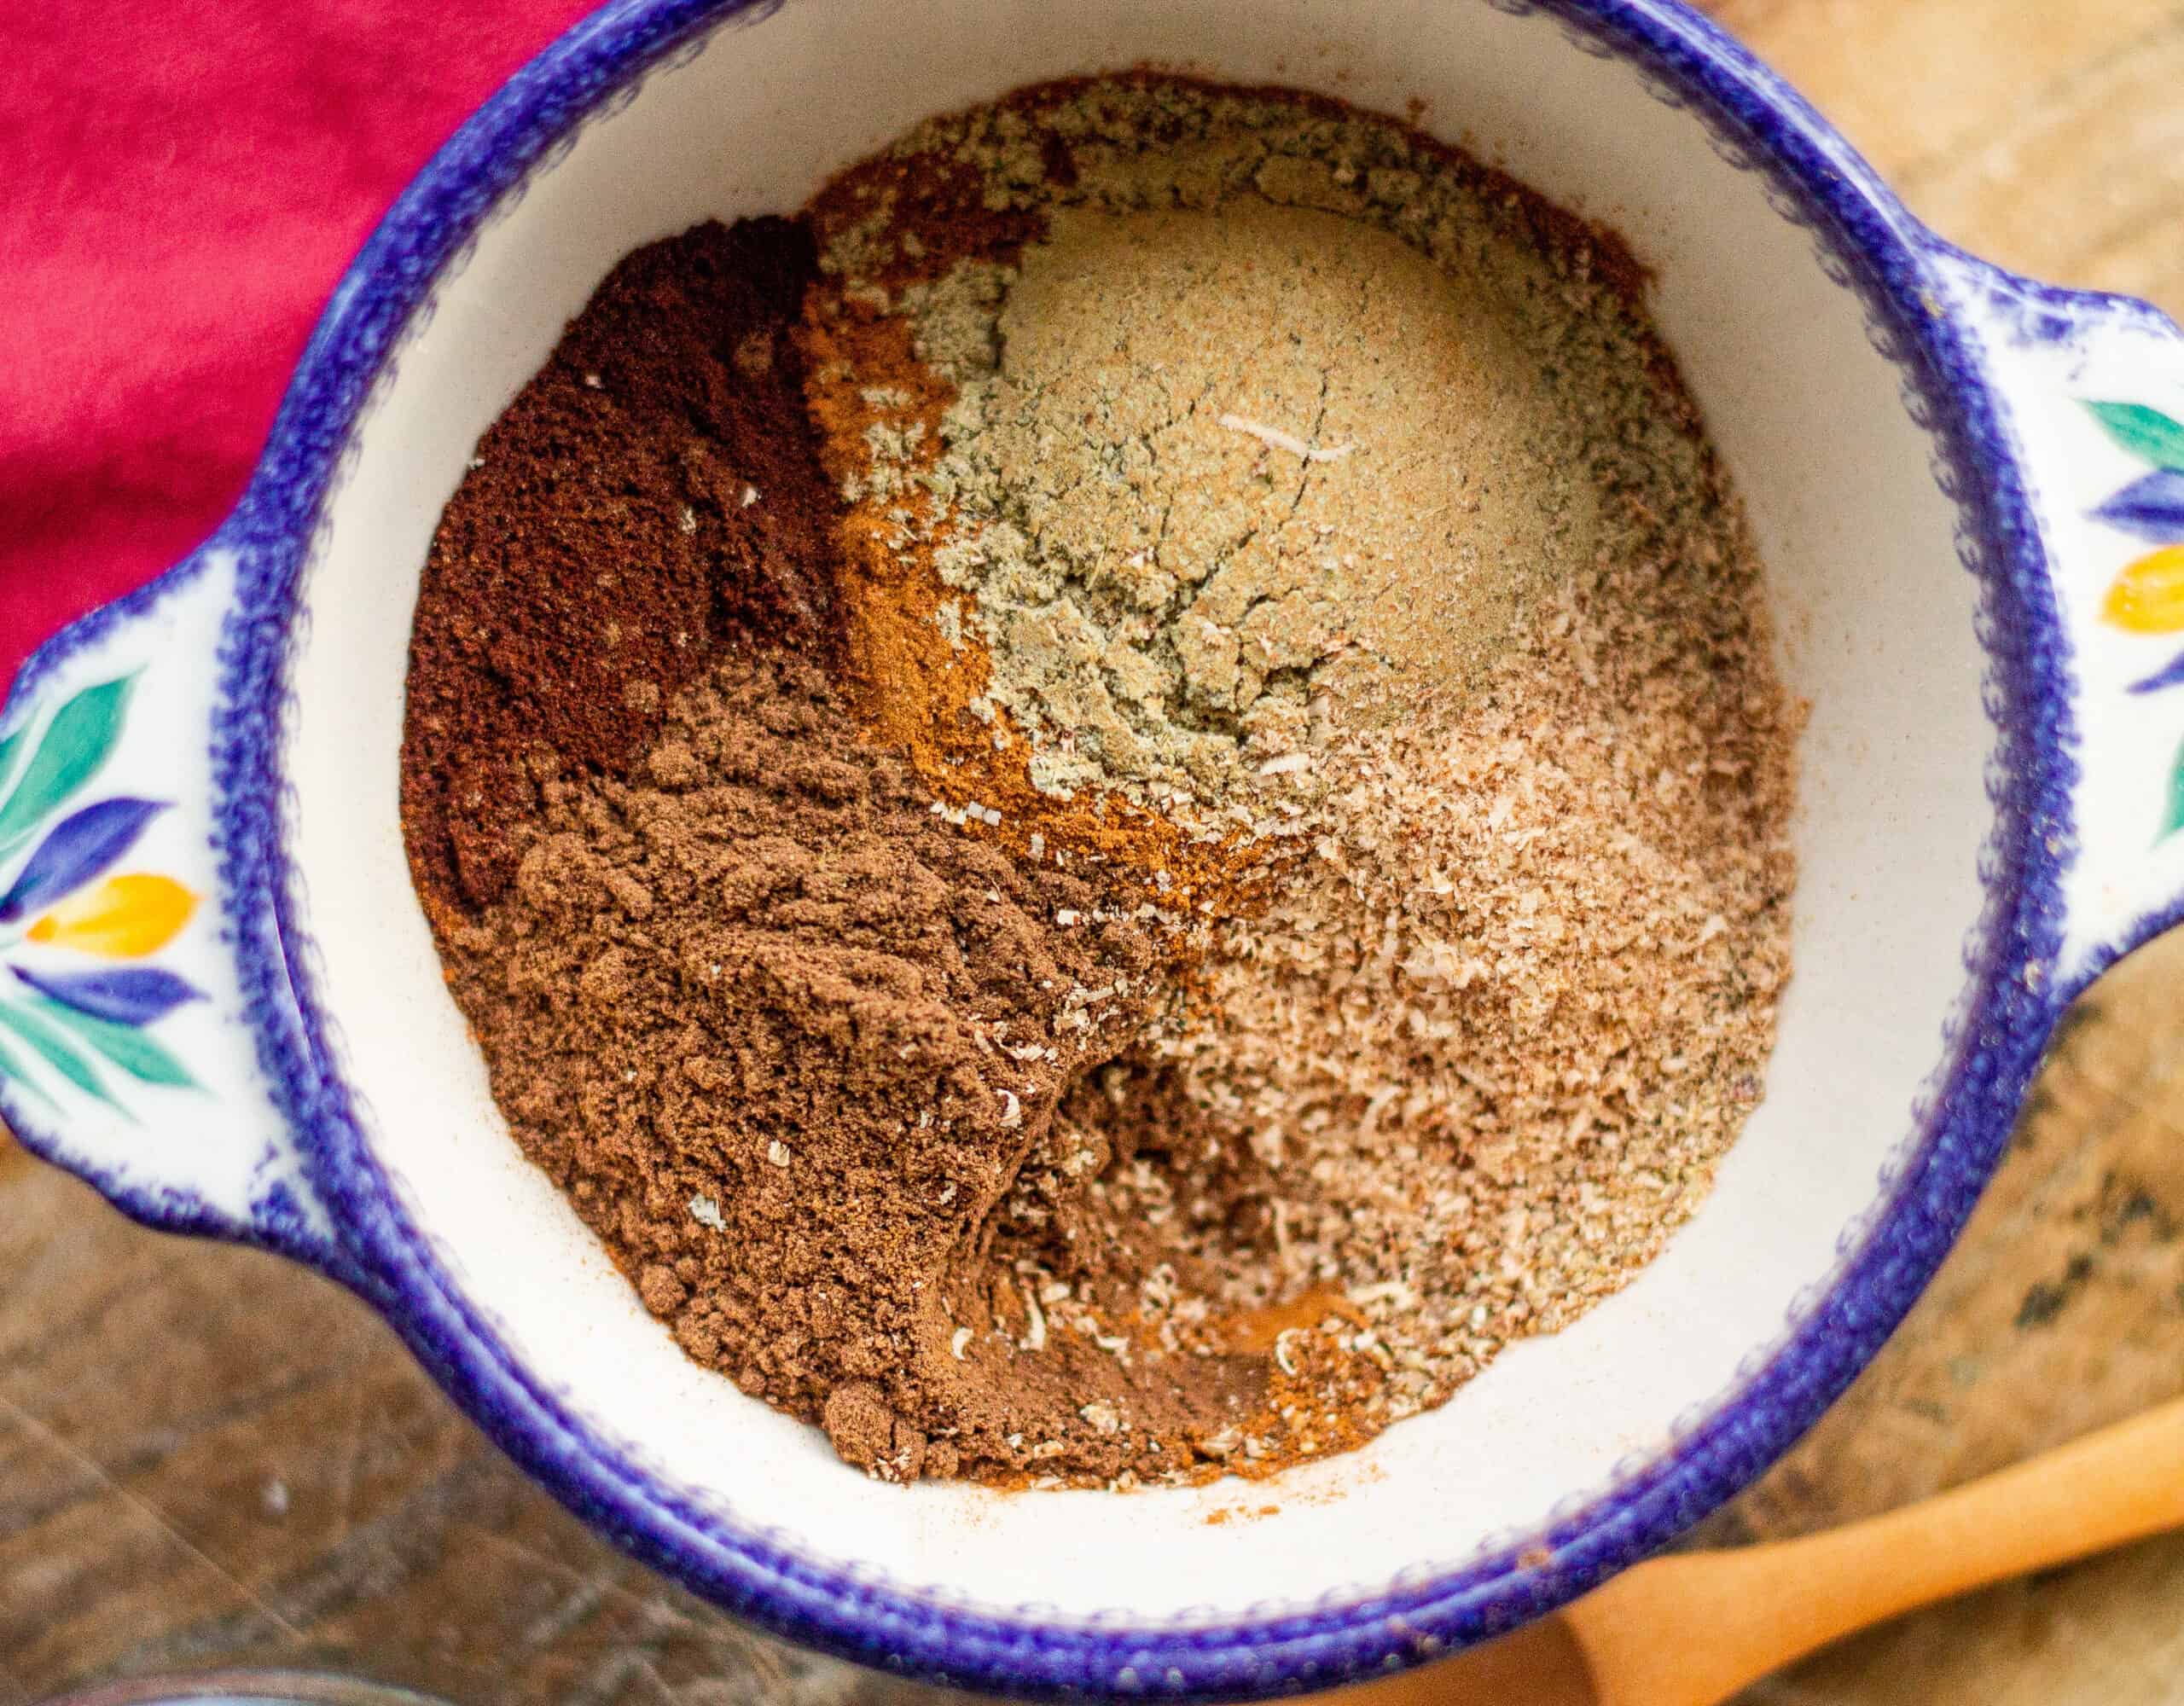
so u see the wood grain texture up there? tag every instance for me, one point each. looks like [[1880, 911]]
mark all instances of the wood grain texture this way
[[207, 1456]]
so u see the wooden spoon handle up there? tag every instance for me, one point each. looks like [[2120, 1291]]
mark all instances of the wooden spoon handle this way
[[1690, 1630]]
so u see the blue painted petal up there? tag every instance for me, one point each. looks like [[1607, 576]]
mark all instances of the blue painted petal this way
[[79, 847], [2169, 675], [2152, 508], [134, 995]]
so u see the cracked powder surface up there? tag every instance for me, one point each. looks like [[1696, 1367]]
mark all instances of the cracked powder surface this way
[[1226, 444]]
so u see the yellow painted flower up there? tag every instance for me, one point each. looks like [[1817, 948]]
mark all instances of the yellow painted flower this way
[[124, 918], [2148, 596]]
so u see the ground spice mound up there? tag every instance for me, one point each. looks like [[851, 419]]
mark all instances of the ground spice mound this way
[[1115, 805]]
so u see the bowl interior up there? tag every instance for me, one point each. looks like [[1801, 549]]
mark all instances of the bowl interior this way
[[1876, 618]]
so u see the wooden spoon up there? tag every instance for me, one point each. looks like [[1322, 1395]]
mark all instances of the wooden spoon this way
[[1692, 1628]]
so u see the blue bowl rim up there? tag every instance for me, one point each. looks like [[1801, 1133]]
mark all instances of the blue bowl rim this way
[[2012, 1000]]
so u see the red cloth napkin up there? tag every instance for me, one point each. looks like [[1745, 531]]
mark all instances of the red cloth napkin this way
[[185, 183]]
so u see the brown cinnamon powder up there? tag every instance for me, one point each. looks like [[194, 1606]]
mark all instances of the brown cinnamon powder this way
[[786, 1038]]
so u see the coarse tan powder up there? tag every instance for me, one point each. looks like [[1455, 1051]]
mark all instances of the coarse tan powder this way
[[1113, 806]]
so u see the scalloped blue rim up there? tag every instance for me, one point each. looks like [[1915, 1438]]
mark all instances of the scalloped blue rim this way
[[2015, 1001]]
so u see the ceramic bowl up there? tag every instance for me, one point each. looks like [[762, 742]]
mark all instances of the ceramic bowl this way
[[222, 1006]]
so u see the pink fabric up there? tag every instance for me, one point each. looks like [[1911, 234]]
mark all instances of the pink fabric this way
[[185, 183]]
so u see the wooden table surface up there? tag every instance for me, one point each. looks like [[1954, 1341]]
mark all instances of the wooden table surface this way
[[209, 1457]]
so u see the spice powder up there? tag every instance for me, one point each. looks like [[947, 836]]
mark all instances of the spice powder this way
[[1115, 803]]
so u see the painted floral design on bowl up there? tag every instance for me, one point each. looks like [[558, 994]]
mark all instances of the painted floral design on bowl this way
[[75, 1016]]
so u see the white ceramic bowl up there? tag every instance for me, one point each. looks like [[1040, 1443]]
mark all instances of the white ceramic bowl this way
[[1985, 820]]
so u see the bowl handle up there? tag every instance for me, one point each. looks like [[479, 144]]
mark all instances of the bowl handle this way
[[130, 1029], [2091, 389]]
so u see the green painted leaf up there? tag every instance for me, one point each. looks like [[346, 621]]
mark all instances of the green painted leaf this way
[[12, 1069], [76, 743], [2147, 434], [2173, 818], [129, 1049], [55, 1050], [9, 748]]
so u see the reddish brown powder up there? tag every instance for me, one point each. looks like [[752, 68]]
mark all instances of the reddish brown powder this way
[[653, 491]]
